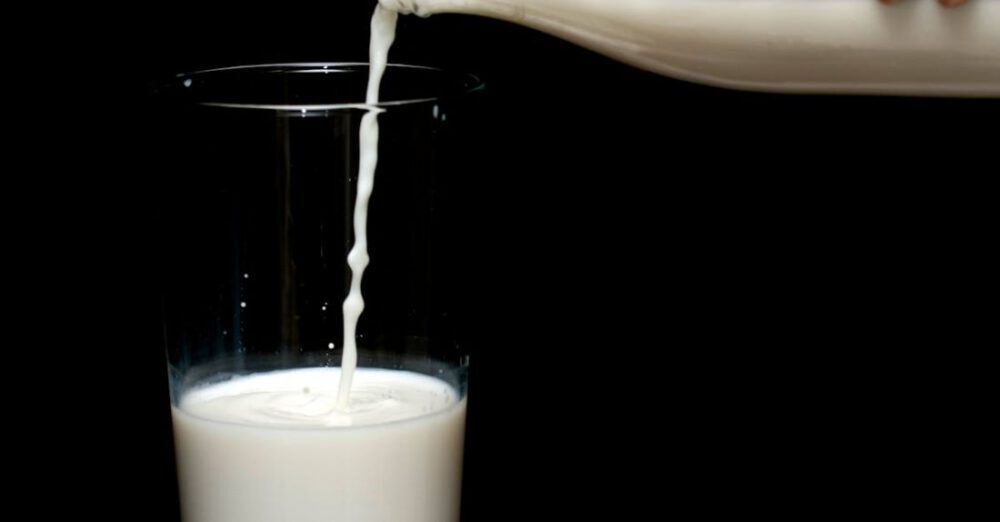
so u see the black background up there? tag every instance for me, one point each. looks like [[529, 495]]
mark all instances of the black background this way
[[722, 277]]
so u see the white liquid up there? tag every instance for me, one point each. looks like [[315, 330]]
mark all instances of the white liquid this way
[[383, 32], [833, 46], [273, 446]]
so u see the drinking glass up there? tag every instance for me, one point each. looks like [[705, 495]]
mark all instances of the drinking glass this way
[[257, 170]]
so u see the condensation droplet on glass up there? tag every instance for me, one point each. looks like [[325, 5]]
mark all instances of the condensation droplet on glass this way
[[187, 83], [436, 111], [330, 346], [246, 276], [243, 304]]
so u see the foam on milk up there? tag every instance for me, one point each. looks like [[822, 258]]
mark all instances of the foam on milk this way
[[306, 398]]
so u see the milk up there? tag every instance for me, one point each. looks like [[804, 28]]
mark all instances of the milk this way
[[273, 446], [383, 33], [828, 46]]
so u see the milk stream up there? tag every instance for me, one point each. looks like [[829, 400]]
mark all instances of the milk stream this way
[[383, 33]]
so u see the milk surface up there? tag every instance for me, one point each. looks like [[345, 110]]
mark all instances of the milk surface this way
[[274, 446]]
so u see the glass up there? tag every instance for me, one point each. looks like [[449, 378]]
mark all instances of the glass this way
[[259, 167]]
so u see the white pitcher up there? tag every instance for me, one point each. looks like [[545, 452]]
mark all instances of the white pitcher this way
[[819, 46]]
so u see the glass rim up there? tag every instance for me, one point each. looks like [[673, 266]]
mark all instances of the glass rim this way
[[471, 83]]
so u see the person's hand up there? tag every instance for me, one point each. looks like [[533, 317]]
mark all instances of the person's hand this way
[[946, 3]]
